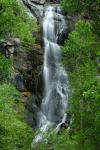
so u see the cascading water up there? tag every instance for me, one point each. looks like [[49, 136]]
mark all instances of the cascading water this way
[[54, 103]]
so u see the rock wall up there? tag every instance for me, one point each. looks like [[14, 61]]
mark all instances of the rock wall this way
[[26, 73], [27, 78], [38, 7]]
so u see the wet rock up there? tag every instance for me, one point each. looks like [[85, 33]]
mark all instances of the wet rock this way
[[65, 123], [62, 36], [4, 49], [9, 47], [11, 50], [56, 17], [71, 21], [32, 110], [36, 7], [37, 55], [38, 1], [15, 42], [61, 27], [22, 60], [27, 78], [26, 94], [26, 69], [18, 81], [53, 1]]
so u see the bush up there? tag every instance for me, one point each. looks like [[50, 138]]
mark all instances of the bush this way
[[88, 9], [5, 68], [58, 142], [80, 45], [15, 21], [14, 133]]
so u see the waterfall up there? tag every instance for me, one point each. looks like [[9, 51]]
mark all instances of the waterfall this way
[[54, 103]]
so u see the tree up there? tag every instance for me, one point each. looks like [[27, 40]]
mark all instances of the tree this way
[[79, 54], [89, 9]]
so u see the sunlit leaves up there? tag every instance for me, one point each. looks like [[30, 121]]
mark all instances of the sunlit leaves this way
[[5, 68], [14, 21], [14, 133], [80, 54]]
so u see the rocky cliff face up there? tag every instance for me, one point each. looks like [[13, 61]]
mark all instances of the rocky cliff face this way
[[37, 7], [27, 78], [26, 73]]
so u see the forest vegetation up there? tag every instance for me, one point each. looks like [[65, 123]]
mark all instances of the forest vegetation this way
[[14, 22], [81, 57]]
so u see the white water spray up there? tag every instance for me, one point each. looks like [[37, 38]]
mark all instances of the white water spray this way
[[54, 103]]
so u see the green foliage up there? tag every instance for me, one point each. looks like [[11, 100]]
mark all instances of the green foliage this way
[[79, 55], [69, 6], [80, 6], [58, 142], [89, 8], [80, 44], [5, 68], [14, 21], [14, 134]]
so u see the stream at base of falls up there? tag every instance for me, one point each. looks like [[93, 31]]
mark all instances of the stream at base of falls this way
[[55, 101]]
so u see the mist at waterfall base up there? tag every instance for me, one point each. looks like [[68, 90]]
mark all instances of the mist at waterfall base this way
[[54, 103]]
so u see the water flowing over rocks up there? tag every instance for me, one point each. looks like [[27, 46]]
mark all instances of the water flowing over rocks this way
[[54, 75], [36, 7], [55, 93]]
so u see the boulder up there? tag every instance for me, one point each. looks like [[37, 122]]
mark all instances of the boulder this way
[[15, 41], [18, 81], [41, 2], [36, 7], [27, 78], [32, 111], [61, 27], [26, 69], [65, 123], [9, 47]]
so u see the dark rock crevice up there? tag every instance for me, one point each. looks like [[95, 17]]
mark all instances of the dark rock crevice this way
[[27, 78]]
